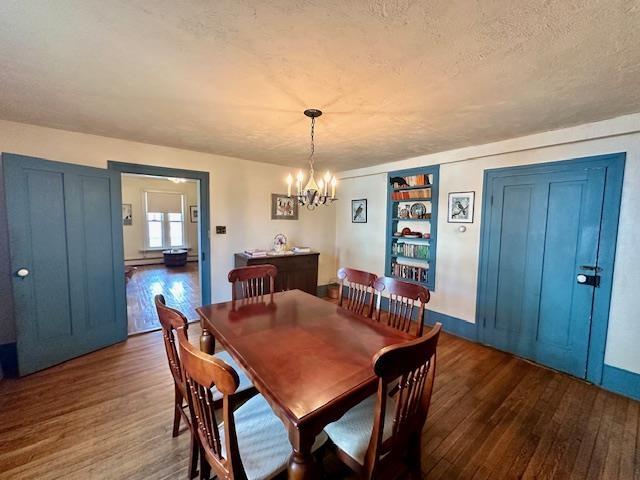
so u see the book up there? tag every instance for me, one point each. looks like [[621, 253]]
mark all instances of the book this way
[[256, 253]]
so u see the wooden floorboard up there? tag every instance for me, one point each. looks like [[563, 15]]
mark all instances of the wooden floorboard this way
[[108, 415], [179, 285]]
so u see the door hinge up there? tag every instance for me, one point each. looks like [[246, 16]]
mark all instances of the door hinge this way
[[203, 256], [492, 200]]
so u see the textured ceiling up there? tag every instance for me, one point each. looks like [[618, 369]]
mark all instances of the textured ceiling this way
[[396, 78]]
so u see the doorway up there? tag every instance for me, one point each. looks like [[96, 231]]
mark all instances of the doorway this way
[[161, 245], [166, 241], [546, 261]]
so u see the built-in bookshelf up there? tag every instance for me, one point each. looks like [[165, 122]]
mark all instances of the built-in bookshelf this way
[[412, 204]]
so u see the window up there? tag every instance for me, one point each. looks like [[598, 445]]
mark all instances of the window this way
[[165, 219], [154, 225], [175, 229]]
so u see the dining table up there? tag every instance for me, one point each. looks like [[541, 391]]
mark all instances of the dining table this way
[[310, 359]]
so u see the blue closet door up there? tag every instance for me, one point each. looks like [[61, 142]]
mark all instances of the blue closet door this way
[[544, 227], [66, 248]]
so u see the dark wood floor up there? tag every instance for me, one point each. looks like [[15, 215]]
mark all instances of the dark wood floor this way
[[179, 285], [108, 415]]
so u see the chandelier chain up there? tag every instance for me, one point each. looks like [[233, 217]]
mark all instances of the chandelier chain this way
[[313, 147]]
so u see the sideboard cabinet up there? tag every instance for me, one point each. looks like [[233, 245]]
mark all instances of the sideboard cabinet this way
[[296, 271]]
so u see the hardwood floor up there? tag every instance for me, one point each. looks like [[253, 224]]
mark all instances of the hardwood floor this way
[[108, 415], [179, 285]]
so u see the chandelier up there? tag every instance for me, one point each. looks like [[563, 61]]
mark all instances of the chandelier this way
[[314, 193]]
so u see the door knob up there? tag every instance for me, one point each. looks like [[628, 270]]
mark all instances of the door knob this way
[[23, 272], [592, 280]]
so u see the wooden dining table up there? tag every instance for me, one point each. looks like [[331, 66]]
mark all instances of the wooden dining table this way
[[309, 358]]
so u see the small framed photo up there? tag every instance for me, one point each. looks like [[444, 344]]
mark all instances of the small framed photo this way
[[127, 217], [461, 207], [359, 211], [193, 213], [283, 207]]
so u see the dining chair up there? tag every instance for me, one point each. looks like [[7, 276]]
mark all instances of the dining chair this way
[[251, 442], [404, 299], [249, 282], [172, 319], [381, 436], [360, 292]]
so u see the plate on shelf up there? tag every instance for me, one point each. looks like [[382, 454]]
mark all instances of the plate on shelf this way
[[403, 212], [412, 235], [418, 210]]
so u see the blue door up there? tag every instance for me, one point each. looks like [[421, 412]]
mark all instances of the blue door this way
[[542, 234], [66, 248]]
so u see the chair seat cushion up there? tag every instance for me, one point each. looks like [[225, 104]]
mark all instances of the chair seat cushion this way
[[262, 439], [352, 432], [245, 382]]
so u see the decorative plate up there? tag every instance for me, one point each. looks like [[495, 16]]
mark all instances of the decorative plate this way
[[418, 210], [280, 242], [413, 235], [403, 213]]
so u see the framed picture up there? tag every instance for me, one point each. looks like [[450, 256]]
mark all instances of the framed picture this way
[[283, 207], [461, 207], [359, 211], [127, 217], [193, 213]]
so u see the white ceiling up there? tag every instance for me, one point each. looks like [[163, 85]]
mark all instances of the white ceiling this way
[[395, 78]]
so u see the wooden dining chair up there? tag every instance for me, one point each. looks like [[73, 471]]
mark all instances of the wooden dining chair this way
[[404, 299], [250, 442], [381, 436], [253, 281], [170, 320], [360, 293]]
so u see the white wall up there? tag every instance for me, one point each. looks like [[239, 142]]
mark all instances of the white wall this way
[[240, 195], [363, 245], [133, 188]]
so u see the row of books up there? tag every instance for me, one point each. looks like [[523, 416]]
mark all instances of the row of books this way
[[417, 180], [411, 250], [409, 272], [422, 193]]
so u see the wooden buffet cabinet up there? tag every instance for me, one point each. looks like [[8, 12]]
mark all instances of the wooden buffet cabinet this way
[[299, 270]]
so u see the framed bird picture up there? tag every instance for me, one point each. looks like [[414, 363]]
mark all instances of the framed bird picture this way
[[359, 211], [461, 207]]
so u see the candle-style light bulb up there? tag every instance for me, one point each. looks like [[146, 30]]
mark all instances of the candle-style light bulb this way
[[321, 187], [289, 182], [327, 180], [334, 182], [300, 178]]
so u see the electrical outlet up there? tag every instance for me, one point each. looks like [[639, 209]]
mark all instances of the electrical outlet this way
[[221, 229]]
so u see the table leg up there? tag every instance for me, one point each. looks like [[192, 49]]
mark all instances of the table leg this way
[[207, 344], [302, 465]]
